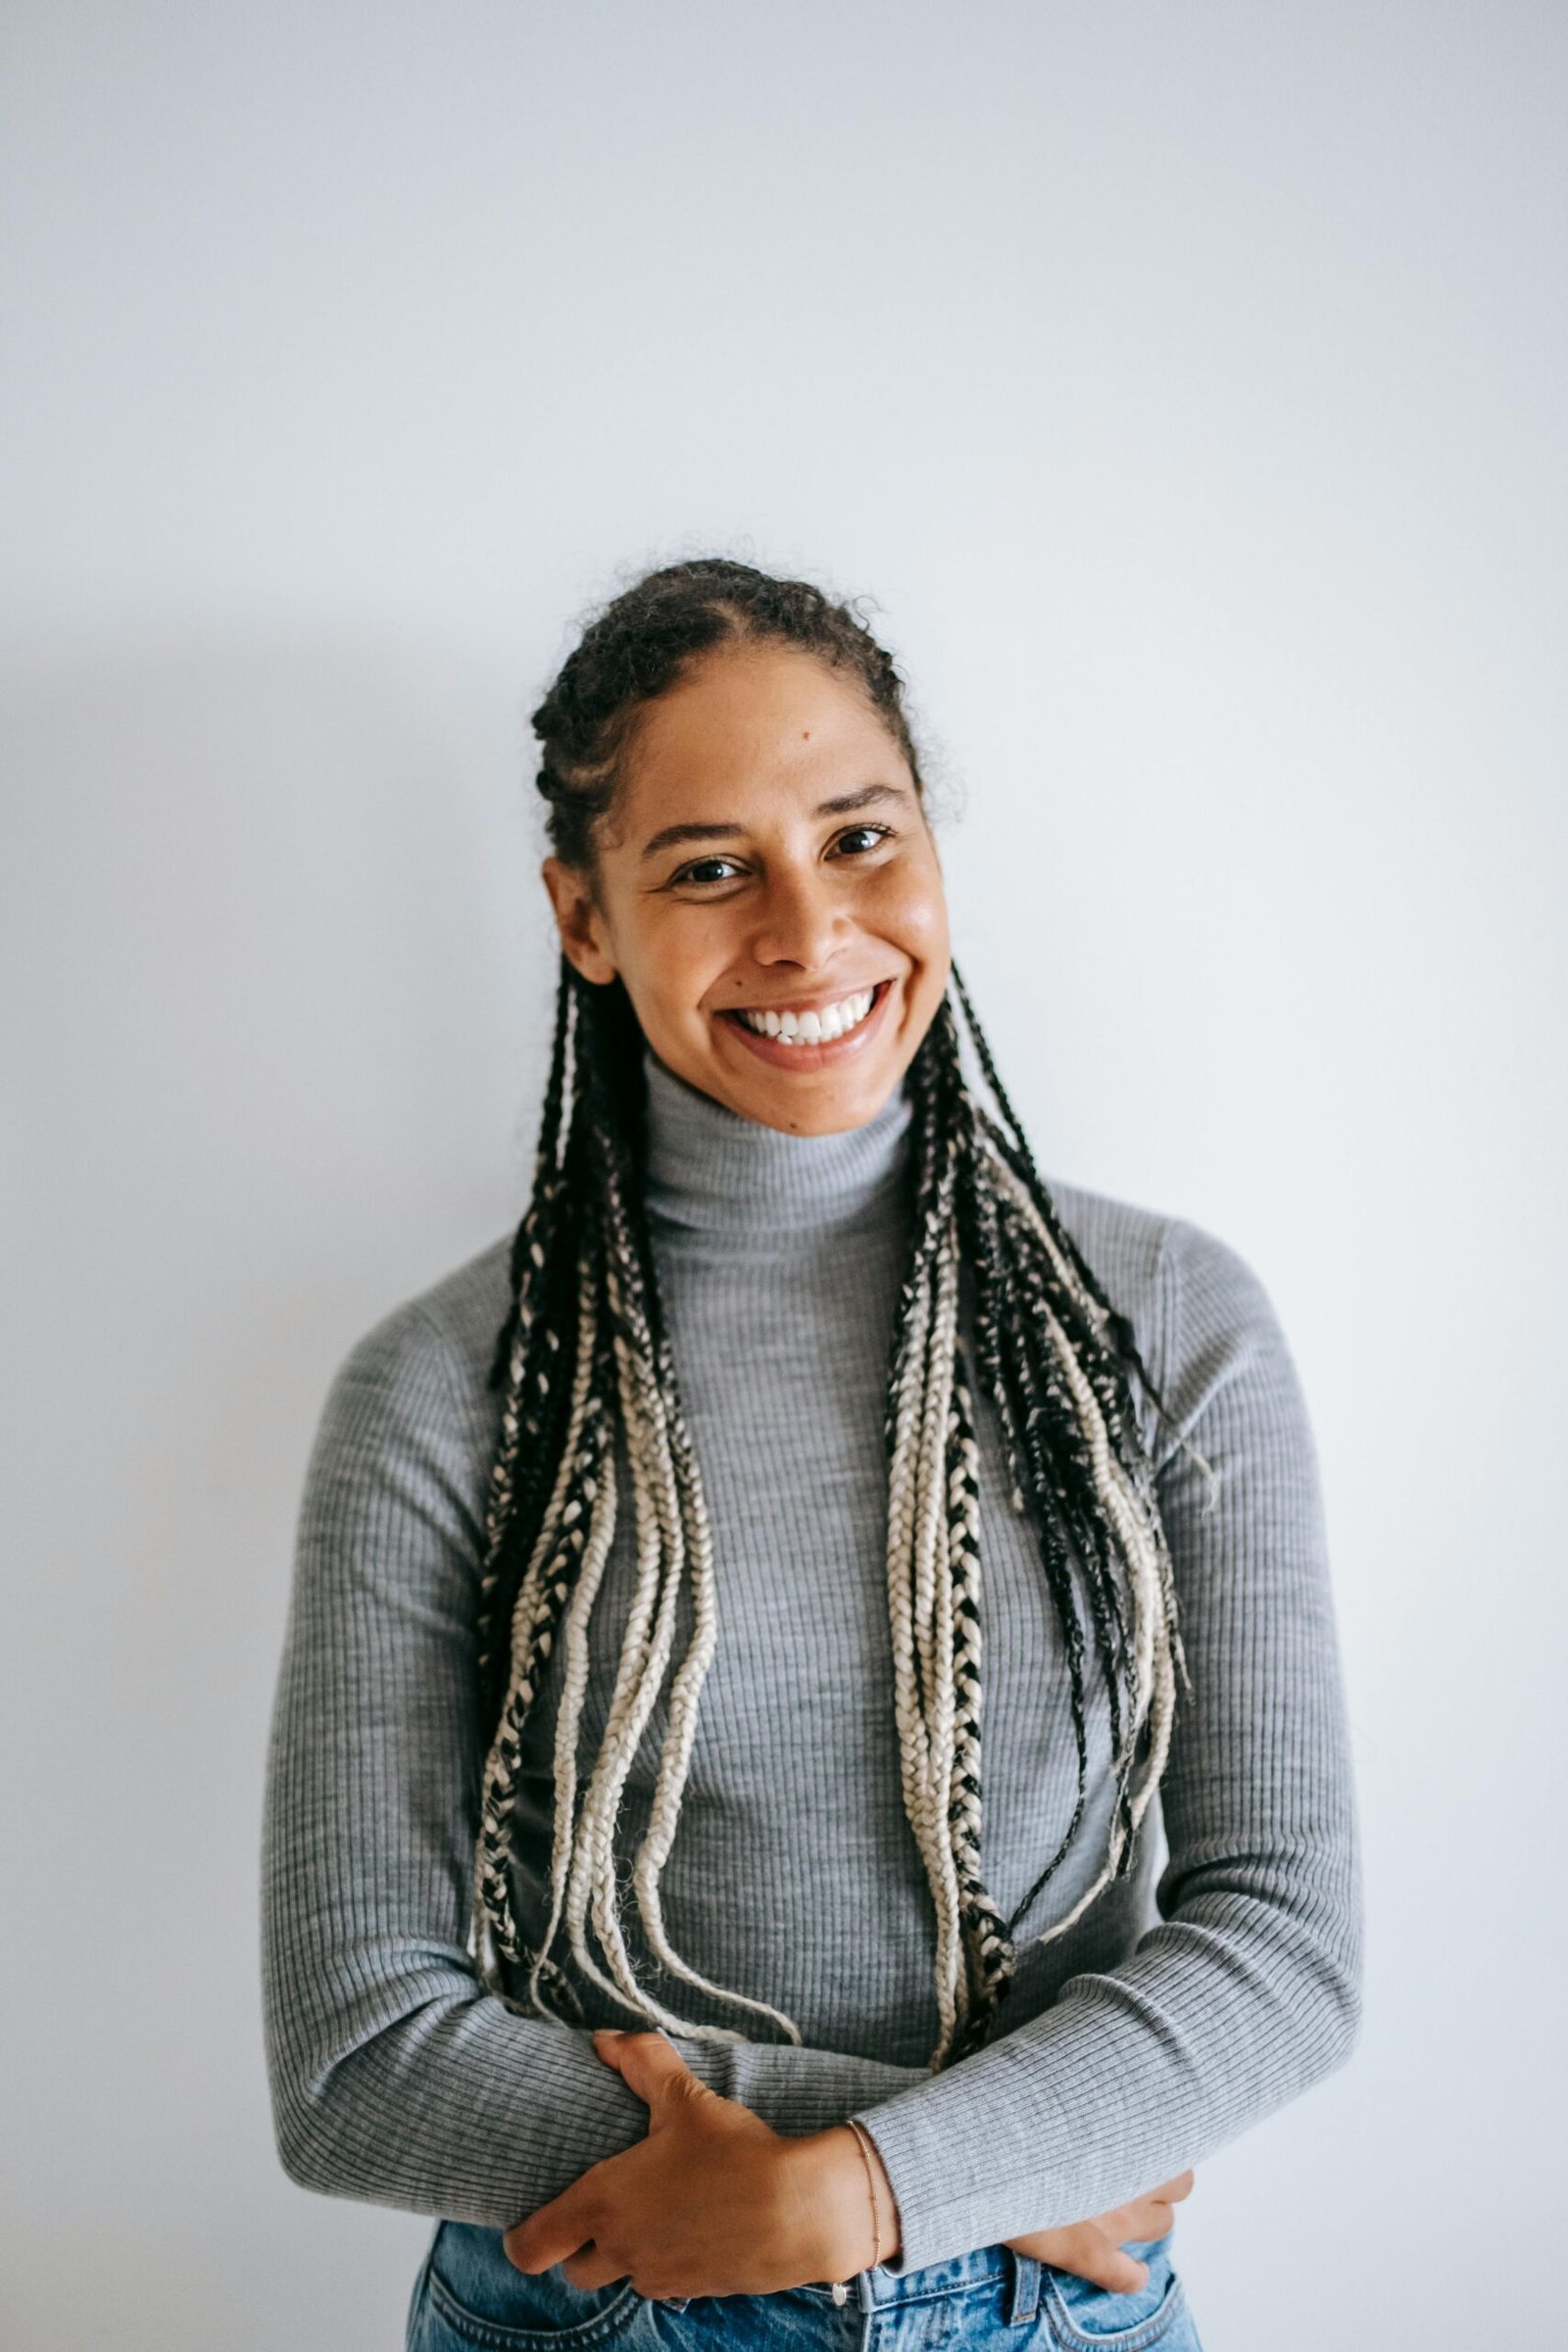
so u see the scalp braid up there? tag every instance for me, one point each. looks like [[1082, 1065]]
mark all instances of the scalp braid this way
[[591, 1403]]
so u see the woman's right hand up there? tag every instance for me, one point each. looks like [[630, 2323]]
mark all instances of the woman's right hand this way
[[1093, 2250]]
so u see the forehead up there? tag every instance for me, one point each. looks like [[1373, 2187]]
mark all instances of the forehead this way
[[751, 724]]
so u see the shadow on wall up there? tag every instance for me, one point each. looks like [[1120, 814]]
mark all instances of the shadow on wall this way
[[282, 967]]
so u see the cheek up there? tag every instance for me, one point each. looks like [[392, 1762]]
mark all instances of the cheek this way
[[674, 966], [915, 915]]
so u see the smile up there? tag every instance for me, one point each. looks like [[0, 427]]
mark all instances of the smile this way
[[815, 1026], [784, 1031]]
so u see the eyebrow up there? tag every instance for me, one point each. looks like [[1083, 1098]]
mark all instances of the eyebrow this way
[[841, 805]]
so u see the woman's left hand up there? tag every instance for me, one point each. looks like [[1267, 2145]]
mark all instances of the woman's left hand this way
[[712, 2202], [1096, 2250]]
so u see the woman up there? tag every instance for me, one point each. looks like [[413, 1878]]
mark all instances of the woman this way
[[640, 1653]]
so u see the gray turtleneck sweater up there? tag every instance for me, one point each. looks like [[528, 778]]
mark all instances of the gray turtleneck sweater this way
[[1213, 1984]]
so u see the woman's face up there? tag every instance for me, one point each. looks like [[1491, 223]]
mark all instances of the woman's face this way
[[767, 855]]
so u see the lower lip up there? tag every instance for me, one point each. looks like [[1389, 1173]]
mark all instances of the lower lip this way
[[812, 1058]]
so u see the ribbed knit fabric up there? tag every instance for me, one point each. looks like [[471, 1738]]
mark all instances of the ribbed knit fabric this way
[[1189, 2002]]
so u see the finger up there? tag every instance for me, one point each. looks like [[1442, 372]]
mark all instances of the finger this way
[[1170, 2192], [548, 2234], [651, 2065], [589, 2267], [1117, 2273], [607, 2044]]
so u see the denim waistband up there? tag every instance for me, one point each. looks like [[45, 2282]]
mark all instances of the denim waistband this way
[[1018, 2273]]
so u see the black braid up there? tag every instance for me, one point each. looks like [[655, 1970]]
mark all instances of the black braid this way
[[1048, 1457], [586, 1219], [1016, 1146]]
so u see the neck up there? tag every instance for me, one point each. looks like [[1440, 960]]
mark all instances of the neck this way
[[708, 1168]]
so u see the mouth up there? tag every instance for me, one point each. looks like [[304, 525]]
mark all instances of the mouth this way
[[808, 1037]]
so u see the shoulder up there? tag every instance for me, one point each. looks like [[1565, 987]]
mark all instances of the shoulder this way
[[1201, 1314], [1156, 1266], [395, 1489], [421, 1370]]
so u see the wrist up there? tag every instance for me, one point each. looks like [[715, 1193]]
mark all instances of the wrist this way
[[848, 2215], [886, 2238]]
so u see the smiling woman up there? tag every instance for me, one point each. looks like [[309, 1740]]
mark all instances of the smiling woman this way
[[814, 941], [657, 1569]]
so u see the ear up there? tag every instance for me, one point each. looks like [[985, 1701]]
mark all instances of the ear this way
[[584, 933]]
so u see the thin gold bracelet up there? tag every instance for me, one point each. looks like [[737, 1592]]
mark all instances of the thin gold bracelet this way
[[841, 2289], [863, 2144]]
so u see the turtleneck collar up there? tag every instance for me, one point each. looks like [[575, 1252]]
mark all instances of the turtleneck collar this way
[[708, 1169]]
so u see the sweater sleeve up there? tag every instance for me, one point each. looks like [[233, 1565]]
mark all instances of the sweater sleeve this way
[[1247, 1988], [395, 2076]]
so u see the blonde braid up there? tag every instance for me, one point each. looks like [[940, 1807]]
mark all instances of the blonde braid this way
[[1053, 1352]]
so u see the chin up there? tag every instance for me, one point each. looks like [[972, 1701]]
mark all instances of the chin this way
[[798, 1110]]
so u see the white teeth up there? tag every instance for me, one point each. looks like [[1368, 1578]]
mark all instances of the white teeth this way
[[818, 1027]]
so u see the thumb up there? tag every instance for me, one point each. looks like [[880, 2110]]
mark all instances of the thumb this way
[[650, 2065], [1117, 2273]]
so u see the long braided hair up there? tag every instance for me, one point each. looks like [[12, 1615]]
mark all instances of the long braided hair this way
[[583, 1355]]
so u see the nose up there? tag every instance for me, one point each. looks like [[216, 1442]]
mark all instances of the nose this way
[[801, 920]]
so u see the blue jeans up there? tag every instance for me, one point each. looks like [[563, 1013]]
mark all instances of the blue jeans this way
[[468, 2295]]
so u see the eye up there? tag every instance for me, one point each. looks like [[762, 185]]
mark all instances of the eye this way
[[700, 870], [700, 874]]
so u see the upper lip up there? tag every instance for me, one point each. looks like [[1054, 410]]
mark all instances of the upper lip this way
[[814, 1004]]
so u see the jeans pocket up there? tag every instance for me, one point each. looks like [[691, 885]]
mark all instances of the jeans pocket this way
[[1084, 2318], [470, 2294]]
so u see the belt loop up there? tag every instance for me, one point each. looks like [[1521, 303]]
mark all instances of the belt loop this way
[[1023, 2299]]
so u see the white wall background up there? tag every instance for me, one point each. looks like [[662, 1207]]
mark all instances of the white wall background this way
[[1187, 383]]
